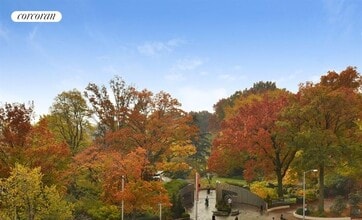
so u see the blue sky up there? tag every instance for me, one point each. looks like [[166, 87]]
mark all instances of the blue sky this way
[[199, 51]]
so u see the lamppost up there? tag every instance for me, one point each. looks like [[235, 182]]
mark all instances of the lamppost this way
[[122, 197], [160, 211], [313, 170]]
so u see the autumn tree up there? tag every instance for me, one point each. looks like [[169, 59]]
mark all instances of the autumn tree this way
[[226, 160], [348, 78], [232, 101], [132, 118], [45, 151], [254, 131], [23, 196], [69, 118], [111, 115], [231, 160], [328, 130], [109, 167], [31, 145], [15, 125]]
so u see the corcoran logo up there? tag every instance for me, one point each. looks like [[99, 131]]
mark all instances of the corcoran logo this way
[[36, 16]]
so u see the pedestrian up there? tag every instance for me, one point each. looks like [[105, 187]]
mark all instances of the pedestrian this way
[[230, 202], [236, 218], [273, 218], [261, 210], [213, 217], [281, 217], [207, 201]]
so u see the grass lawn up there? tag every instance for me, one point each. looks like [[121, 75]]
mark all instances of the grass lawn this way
[[233, 181]]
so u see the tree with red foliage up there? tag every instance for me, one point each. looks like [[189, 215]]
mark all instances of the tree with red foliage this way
[[254, 133], [15, 125]]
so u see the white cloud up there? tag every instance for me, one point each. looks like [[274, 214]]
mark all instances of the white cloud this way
[[194, 99], [188, 64], [175, 77], [182, 68], [231, 77], [157, 47], [110, 69], [227, 77]]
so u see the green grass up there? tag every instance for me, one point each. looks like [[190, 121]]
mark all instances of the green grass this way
[[175, 185], [233, 181]]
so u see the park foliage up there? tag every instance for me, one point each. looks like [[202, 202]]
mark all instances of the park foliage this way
[[103, 147]]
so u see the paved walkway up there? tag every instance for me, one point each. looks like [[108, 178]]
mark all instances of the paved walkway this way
[[247, 212]]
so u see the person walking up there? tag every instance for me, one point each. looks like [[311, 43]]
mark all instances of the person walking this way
[[261, 209], [230, 202], [207, 201]]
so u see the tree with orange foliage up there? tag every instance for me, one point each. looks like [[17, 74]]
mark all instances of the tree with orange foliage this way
[[45, 151], [33, 146], [133, 119], [109, 167], [254, 132]]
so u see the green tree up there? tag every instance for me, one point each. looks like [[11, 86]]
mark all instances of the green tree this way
[[23, 196], [202, 141], [69, 118], [326, 120]]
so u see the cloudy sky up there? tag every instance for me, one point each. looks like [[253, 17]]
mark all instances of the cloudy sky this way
[[197, 50]]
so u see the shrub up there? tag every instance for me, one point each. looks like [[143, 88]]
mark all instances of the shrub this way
[[354, 199], [337, 185], [173, 188], [263, 191], [310, 194], [222, 206], [300, 211], [339, 205]]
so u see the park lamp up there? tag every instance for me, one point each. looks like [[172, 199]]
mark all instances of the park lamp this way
[[312, 170]]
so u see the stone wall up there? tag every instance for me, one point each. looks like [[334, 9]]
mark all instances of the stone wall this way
[[238, 195], [187, 196]]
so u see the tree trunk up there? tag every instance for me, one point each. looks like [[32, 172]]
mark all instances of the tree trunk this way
[[280, 184], [321, 188]]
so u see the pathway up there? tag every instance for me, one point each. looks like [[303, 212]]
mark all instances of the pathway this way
[[246, 212]]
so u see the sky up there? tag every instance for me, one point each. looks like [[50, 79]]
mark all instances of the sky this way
[[198, 51]]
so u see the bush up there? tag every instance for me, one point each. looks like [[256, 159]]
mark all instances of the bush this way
[[173, 188], [354, 200], [263, 191], [300, 211], [185, 215], [339, 205], [222, 206], [310, 194], [337, 185], [147, 217]]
